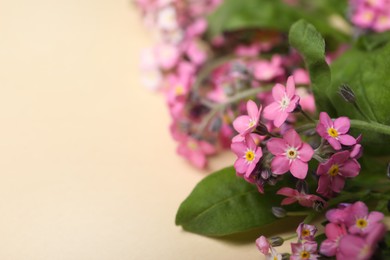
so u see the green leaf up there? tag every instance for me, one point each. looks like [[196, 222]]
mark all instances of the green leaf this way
[[367, 74], [223, 204], [308, 41]]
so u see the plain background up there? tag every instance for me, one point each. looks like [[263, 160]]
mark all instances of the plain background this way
[[88, 169]]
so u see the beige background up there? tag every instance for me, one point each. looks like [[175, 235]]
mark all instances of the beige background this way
[[87, 167]]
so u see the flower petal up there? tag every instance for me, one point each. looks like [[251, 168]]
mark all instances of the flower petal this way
[[286, 191], [278, 92], [347, 140], [325, 120], [299, 169], [350, 168], [240, 165], [271, 111], [277, 146], [280, 165], [306, 152], [288, 201], [238, 148], [292, 138], [338, 183], [334, 143], [290, 87], [281, 118], [252, 110], [342, 124], [241, 123]]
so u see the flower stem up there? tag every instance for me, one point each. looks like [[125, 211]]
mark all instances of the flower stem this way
[[307, 116], [370, 126]]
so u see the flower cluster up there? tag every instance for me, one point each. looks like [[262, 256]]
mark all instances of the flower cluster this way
[[352, 233], [267, 146], [371, 14]]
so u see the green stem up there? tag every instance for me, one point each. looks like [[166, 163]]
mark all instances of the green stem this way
[[370, 126], [306, 127], [297, 213]]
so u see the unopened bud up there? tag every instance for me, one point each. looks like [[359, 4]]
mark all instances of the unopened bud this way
[[279, 212], [302, 186], [276, 241], [261, 129], [347, 93], [265, 174], [388, 170], [286, 256], [318, 206]]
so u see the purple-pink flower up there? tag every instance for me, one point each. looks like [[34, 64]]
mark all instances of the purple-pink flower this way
[[195, 150], [334, 171], [263, 245], [285, 101], [290, 154], [335, 132], [360, 221], [334, 233], [304, 251], [306, 200], [246, 123], [306, 232], [248, 154]]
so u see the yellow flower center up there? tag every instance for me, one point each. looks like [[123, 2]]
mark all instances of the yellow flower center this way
[[251, 123], [361, 223], [305, 233], [305, 255], [249, 156], [368, 16], [334, 170], [179, 90], [192, 145], [333, 132], [292, 153]]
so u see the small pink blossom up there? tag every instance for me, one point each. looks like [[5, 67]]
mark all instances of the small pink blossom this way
[[248, 50], [267, 70], [197, 28], [290, 154], [306, 99], [301, 77], [360, 221], [285, 101], [334, 233], [357, 149], [167, 56], [340, 214], [273, 255], [247, 123], [195, 151], [304, 251], [334, 171], [263, 245], [335, 131], [248, 154], [306, 232], [303, 199], [196, 53]]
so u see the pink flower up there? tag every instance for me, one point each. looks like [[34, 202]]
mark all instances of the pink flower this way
[[290, 154], [334, 233], [178, 88], [246, 123], [196, 53], [359, 248], [304, 251], [274, 255], [197, 28], [301, 77], [357, 149], [263, 245], [360, 221], [248, 154], [267, 70], [382, 22], [339, 215], [285, 102], [303, 199], [334, 171], [306, 232], [306, 99], [195, 151], [248, 50], [335, 132], [167, 56]]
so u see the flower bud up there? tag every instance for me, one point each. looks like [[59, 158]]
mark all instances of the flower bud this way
[[279, 212], [276, 241], [261, 129], [347, 93], [318, 206], [302, 186]]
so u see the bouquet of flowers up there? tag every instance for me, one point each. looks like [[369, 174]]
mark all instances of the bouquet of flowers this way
[[299, 91]]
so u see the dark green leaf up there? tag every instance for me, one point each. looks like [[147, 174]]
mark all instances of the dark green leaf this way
[[223, 204], [310, 44]]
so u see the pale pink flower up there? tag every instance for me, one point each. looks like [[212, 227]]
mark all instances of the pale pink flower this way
[[273, 255], [167, 56], [178, 87], [293, 196], [196, 53], [360, 221], [335, 131], [263, 245], [167, 18], [334, 171], [357, 149], [290, 154], [197, 28], [247, 123], [251, 50], [285, 101], [306, 232], [382, 22], [306, 99], [195, 150], [334, 233], [267, 70], [248, 154], [364, 17], [304, 251], [301, 77], [340, 214]]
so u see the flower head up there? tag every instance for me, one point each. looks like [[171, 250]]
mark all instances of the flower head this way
[[195, 150], [290, 154], [304, 251], [263, 245], [246, 123], [248, 154], [303, 199], [285, 101], [306, 232], [334, 171], [360, 221], [335, 132], [334, 233]]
